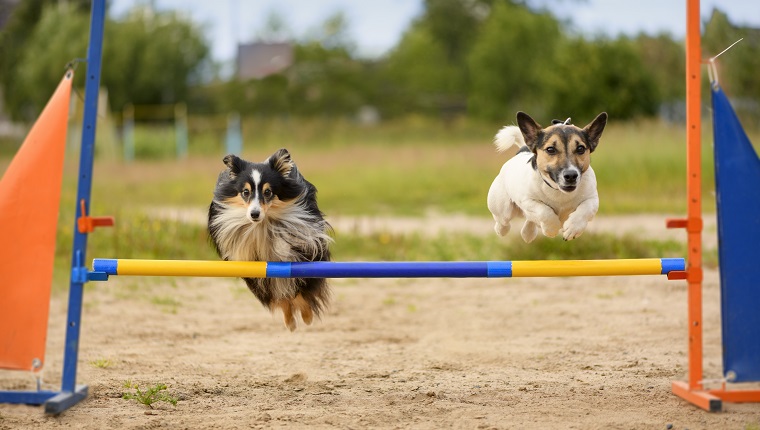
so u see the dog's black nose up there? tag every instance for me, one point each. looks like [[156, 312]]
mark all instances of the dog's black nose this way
[[570, 177], [255, 214]]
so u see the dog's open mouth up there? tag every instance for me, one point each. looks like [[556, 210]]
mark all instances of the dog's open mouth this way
[[568, 188]]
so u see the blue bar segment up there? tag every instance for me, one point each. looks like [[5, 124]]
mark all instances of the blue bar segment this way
[[276, 269], [499, 269], [405, 269], [108, 266], [673, 264]]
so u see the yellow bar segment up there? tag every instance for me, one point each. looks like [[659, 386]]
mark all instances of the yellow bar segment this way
[[623, 267], [240, 269]]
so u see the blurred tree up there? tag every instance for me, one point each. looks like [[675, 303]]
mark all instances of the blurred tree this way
[[18, 30], [149, 57], [275, 29], [325, 78], [738, 68], [152, 57], [664, 58], [588, 77], [421, 74], [454, 24], [509, 62], [428, 68]]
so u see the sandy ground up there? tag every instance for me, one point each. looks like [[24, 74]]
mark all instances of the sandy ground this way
[[440, 353]]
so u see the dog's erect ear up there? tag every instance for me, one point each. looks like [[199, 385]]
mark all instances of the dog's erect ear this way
[[281, 162], [234, 165], [594, 130], [530, 129]]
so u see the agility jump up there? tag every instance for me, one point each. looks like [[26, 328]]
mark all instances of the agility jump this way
[[102, 268]]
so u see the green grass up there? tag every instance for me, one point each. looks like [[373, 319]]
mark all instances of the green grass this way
[[460, 247], [410, 167], [102, 363], [150, 396]]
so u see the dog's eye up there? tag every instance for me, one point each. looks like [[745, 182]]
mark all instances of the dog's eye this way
[[268, 193], [580, 150], [551, 150], [246, 193]]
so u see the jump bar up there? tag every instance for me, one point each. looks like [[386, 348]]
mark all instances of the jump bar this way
[[388, 269]]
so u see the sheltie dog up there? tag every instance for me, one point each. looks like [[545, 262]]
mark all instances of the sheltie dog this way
[[268, 212], [549, 180]]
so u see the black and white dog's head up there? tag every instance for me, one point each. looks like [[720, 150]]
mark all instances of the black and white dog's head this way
[[561, 151], [257, 189]]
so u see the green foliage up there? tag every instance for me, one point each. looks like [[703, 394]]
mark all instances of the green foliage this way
[[510, 62], [604, 75], [152, 57], [664, 58], [149, 58], [482, 58], [102, 363], [324, 80], [19, 29], [151, 395], [426, 72], [738, 67], [469, 247], [41, 64], [137, 235]]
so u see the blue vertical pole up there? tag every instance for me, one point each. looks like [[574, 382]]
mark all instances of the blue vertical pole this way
[[234, 139], [129, 132], [86, 158], [180, 129]]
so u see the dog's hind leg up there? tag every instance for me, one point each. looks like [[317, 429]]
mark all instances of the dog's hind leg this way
[[287, 314], [529, 231], [502, 214], [307, 315]]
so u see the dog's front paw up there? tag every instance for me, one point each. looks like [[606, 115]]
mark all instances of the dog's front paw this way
[[529, 231], [551, 228], [572, 231], [501, 229]]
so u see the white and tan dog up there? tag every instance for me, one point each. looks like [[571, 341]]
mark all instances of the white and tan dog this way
[[549, 180]]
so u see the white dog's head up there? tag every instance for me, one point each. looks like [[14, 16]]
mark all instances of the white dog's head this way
[[561, 151]]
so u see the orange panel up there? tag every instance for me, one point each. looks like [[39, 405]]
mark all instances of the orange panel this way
[[30, 193]]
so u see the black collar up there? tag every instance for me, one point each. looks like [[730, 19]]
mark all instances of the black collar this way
[[547, 183], [532, 161]]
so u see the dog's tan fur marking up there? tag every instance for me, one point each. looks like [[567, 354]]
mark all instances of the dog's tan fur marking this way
[[266, 205], [287, 314], [236, 201], [306, 313], [566, 150]]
